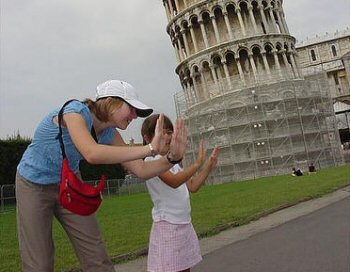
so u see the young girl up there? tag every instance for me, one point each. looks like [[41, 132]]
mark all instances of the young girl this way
[[39, 172], [173, 242]]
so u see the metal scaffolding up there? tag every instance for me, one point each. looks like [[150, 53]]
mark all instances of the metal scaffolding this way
[[264, 129]]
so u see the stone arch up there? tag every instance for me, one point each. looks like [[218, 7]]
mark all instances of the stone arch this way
[[231, 63], [257, 57], [243, 54], [243, 5], [194, 19], [258, 19], [197, 81], [218, 68], [205, 66], [208, 26], [191, 94], [220, 21], [288, 94]]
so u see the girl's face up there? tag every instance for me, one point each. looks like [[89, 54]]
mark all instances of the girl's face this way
[[169, 134], [123, 116]]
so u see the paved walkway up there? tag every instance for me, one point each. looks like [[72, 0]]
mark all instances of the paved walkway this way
[[236, 234]]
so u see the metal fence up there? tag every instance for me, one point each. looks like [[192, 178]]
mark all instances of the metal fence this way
[[114, 187]]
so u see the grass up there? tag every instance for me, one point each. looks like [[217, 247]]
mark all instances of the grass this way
[[126, 220]]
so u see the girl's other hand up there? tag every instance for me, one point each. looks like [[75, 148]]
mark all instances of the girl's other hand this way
[[213, 159]]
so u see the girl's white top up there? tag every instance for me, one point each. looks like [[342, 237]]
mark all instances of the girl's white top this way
[[171, 205]]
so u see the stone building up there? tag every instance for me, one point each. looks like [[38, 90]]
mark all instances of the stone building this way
[[331, 53], [244, 90]]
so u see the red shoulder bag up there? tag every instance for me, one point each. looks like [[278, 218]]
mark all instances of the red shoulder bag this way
[[76, 195]]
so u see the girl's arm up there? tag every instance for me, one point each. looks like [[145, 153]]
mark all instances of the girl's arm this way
[[196, 182], [175, 180], [149, 169]]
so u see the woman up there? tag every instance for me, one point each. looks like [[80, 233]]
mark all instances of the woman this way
[[39, 171]]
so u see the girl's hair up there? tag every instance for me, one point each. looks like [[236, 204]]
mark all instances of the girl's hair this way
[[149, 126], [103, 107]]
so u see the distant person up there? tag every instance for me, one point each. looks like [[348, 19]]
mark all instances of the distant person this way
[[174, 244], [39, 172], [312, 168], [297, 172]]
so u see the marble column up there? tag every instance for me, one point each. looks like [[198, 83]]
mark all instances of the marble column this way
[[277, 63], [184, 37], [176, 51], [294, 65], [238, 11], [266, 64], [177, 6], [171, 8], [286, 63], [204, 85], [216, 31], [181, 54], [227, 74], [193, 37], [204, 33], [280, 23], [252, 63], [228, 25], [273, 21], [240, 70], [167, 11], [262, 14], [252, 18]]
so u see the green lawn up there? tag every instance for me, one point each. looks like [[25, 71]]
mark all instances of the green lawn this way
[[126, 220]]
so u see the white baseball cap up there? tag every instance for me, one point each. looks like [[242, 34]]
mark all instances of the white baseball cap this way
[[123, 90]]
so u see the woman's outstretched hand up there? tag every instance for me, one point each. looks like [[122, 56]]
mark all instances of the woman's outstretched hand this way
[[159, 139], [179, 140]]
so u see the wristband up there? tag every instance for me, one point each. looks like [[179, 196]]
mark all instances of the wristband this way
[[153, 152], [170, 160]]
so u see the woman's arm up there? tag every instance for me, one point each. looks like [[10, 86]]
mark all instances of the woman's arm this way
[[130, 156], [195, 183], [96, 153]]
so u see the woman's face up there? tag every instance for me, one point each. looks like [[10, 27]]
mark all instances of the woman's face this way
[[123, 116]]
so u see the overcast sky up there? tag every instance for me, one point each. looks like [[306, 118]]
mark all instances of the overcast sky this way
[[54, 50]]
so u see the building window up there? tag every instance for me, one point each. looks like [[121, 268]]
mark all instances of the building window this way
[[334, 50], [313, 54], [336, 79]]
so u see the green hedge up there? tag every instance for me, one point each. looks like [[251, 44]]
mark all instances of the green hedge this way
[[12, 149]]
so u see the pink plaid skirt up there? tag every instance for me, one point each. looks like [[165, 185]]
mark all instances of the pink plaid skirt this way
[[172, 247]]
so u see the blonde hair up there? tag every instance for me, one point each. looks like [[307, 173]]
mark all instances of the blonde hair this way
[[103, 107]]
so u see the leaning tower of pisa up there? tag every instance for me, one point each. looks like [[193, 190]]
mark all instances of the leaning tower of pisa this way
[[243, 90]]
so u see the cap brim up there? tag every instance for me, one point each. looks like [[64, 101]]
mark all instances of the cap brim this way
[[142, 110], [143, 113]]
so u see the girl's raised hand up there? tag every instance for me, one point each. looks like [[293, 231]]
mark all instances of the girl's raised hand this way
[[179, 140], [213, 159], [201, 153]]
